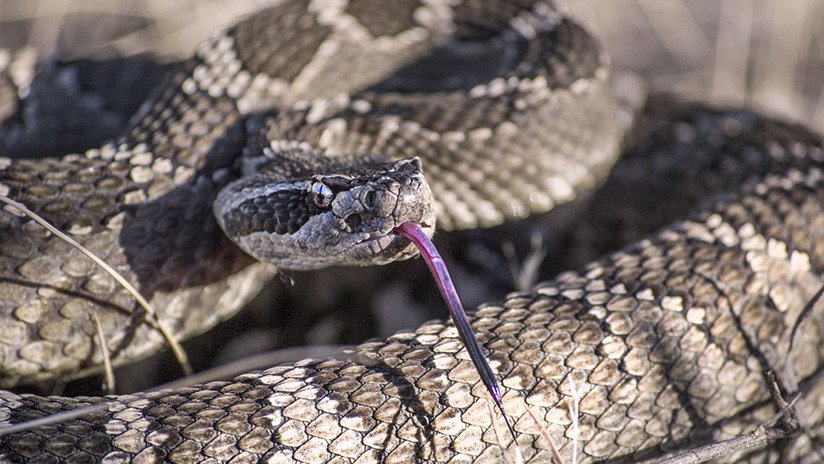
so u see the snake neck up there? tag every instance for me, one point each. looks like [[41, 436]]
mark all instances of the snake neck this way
[[301, 207]]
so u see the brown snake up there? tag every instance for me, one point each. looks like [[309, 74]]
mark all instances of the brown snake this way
[[667, 341]]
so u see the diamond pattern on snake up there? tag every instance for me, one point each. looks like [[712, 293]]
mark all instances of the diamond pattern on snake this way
[[304, 135]]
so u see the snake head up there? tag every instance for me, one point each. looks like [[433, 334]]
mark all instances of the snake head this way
[[340, 214]]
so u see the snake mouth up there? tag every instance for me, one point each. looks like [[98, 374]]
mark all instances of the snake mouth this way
[[409, 247], [428, 229], [377, 234], [391, 245], [392, 233]]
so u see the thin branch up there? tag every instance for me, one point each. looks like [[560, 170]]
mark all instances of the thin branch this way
[[178, 351], [803, 316], [782, 424], [756, 438]]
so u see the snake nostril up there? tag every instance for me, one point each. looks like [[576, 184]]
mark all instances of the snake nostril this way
[[354, 221], [369, 200]]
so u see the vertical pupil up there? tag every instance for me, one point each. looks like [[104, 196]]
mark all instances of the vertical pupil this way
[[322, 195]]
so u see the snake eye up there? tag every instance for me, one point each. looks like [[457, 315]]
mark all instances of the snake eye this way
[[322, 195]]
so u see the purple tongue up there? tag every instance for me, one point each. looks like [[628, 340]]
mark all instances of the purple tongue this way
[[433, 259]]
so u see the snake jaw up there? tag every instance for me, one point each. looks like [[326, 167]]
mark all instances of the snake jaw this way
[[393, 240], [428, 229]]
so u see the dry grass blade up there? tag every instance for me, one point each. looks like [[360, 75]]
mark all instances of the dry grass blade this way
[[54, 418], [677, 28], [732, 52], [178, 351], [499, 437], [783, 55], [573, 415], [525, 273], [545, 434], [258, 362], [104, 351], [225, 371]]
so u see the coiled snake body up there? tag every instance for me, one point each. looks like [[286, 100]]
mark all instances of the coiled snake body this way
[[298, 129]]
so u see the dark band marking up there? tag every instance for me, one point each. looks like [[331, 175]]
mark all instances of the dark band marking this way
[[390, 19], [281, 212], [275, 42]]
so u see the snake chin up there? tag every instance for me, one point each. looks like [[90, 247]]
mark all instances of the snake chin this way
[[392, 246]]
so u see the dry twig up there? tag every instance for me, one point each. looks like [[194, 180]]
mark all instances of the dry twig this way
[[175, 346]]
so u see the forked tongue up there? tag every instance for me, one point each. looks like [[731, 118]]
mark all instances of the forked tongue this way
[[433, 259]]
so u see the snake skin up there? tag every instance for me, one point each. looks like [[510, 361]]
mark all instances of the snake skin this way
[[667, 342], [144, 202]]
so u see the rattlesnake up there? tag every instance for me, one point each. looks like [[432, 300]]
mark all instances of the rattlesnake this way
[[667, 340]]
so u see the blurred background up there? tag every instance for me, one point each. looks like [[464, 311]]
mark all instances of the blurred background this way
[[763, 54], [767, 54]]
